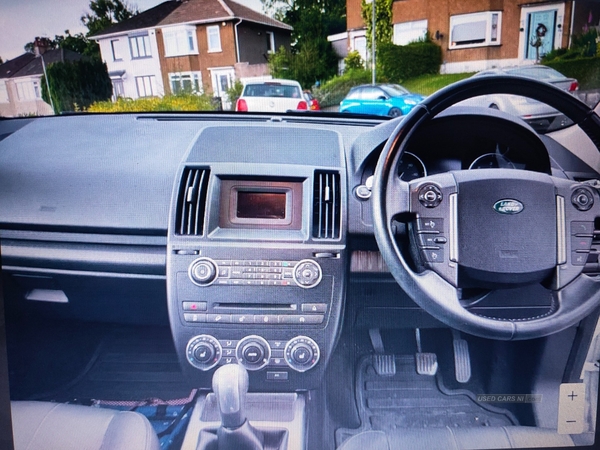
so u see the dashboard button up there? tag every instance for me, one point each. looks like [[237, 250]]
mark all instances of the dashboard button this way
[[193, 317], [314, 307], [309, 319], [277, 376], [242, 318], [266, 319], [194, 306], [218, 318]]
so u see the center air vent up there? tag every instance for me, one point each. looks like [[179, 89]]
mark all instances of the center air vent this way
[[191, 202], [327, 205]]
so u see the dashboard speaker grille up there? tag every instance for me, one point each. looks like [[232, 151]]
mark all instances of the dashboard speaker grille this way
[[191, 202], [327, 205]]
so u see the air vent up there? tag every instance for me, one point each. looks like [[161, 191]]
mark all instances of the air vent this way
[[327, 205], [191, 202]]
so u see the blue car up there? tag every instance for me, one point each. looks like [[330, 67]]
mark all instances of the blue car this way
[[380, 99]]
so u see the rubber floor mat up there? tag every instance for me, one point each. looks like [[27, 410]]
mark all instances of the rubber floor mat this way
[[410, 400]]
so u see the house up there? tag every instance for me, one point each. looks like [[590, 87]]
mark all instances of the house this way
[[20, 83], [478, 34], [193, 45]]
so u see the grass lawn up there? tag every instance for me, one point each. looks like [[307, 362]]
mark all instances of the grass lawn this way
[[428, 84]]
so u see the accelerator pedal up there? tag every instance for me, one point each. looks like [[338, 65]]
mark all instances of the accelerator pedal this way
[[462, 358], [426, 363]]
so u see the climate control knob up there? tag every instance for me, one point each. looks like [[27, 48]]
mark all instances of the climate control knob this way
[[253, 352], [302, 353], [203, 352], [203, 271]]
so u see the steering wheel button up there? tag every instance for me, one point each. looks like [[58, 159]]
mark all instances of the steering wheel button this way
[[586, 228], [434, 256], [582, 199], [430, 225], [579, 259], [581, 243], [430, 196]]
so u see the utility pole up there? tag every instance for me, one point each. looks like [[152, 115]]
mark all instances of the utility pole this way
[[373, 23], [40, 45]]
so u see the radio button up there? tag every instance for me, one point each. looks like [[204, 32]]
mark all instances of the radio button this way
[[253, 352], [314, 307], [307, 274]]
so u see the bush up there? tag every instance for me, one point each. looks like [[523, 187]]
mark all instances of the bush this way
[[399, 62], [585, 70], [235, 92], [76, 85], [333, 91], [180, 102], [353, 61]]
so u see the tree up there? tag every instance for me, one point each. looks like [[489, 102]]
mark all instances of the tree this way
[[311, 58], [75, 85], [78, 43], [383, 21], [106, 13]]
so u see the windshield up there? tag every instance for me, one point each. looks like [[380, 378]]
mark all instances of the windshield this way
[[153, 55]]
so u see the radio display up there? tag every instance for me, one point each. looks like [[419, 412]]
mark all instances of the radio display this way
[[261, 205]]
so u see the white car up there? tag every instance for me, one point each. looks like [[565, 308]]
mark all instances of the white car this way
[[276, 96]]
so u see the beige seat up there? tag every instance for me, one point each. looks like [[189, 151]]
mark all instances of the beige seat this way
[[48, 426]]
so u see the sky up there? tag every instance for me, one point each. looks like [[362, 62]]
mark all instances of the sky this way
[[22, 20]]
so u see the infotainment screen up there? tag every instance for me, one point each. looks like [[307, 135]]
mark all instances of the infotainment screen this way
[[261, 205]]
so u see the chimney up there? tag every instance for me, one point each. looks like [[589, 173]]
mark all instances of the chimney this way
[[41, 46]]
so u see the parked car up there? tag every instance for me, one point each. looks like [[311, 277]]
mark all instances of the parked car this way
[[313, 103], [537, 114], [272, 96], [381, 99]]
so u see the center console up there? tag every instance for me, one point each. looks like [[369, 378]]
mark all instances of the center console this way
[[255, 265]]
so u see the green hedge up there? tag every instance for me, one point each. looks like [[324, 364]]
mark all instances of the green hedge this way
[[333, 91], [76, 85], [585, 70], [399, 62]]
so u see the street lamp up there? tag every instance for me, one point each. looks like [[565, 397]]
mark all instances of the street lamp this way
[[39, 48], [372, 2]]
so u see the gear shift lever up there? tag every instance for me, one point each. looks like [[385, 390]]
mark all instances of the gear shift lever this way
[[230, 385]]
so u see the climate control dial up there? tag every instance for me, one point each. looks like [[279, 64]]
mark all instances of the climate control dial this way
[[203, 352], [302, 353], [253, 352]]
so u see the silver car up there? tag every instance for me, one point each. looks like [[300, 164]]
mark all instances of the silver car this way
[[540, 116]]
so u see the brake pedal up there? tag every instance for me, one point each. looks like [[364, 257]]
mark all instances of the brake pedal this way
[[385, 365], [426, 363], [462, 358]]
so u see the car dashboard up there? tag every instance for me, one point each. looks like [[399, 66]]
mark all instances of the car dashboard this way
[[250, 236]]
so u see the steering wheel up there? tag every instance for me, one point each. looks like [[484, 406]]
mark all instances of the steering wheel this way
[[489, 228]]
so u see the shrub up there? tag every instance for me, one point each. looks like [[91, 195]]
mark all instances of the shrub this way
[[585, 70], [235, 92], [333, 91], [353, 61], [399, 62], [75, 85], [180, 102]]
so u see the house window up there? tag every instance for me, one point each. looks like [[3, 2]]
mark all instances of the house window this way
[[475, 30], [27, 90], [270, 42], [180, 41], [118, 88], [146, 86], [3, 92], [186, 82], [407, 32], [116, 54], [140, 46], [214, 38]]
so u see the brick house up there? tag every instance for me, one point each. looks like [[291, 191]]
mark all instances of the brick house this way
[[478, 34], [20, 83], [197, 45]]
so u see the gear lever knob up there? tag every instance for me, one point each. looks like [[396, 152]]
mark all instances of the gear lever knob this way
[[230, 385]]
